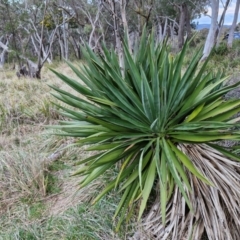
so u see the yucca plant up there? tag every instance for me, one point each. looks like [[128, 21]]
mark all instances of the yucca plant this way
[[159, 123]]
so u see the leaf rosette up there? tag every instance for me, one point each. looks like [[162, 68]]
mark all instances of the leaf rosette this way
[[147, 119]]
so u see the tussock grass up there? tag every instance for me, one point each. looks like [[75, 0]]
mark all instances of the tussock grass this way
[[25, 101], [38, 198], [78, 222], [25, 107]]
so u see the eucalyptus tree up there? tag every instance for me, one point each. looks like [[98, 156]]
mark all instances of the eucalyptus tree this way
[[65, 25], [4, 47], [210, 41], [11, 17], [179, 15], [234, 23], [34, 31], [221, 21], [41, 34]]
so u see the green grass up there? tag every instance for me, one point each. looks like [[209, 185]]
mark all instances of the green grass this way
[[37, 196], [79, 222], [37, 193]]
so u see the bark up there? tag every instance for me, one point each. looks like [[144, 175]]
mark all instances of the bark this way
[[162, 30], [164, 35], [172, 26], [92, 43], [211, 34], [221, 22], [33, 69], [123, 4], [2, 58], [94, 20], [159, 33], [188, 25], [116, 23], [76, 47], [61, 47], [4, 52], [182, 21], [41, 40], [143, 10], [133, 37], [65, 35], [231, 32]]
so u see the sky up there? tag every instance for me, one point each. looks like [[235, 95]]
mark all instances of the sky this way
[[228, 17]]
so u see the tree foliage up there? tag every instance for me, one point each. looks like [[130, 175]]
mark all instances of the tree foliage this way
[[70, 24]]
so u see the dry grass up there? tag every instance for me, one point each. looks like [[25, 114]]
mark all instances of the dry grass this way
[[24, 110], [27, 101], [37, 195], [38, 199]]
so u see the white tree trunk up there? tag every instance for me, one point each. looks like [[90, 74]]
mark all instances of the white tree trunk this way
[[221, 22], [172, 31], [3, 53], [231, 32], [116, 23], [162, 32], [65, 35], [91, 41], [133, 37], [2, 58], [61, 48], [165, 29], [123, 4], [159, 33], [46, 54], [65, 26], [210, 41]]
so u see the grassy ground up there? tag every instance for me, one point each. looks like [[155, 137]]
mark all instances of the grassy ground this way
[[38, 198]]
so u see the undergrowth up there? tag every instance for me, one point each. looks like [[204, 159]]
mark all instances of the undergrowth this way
[[38, 198], [37, 194]]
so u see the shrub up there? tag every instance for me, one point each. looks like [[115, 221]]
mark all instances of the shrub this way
[[222, 49], [158, 124]]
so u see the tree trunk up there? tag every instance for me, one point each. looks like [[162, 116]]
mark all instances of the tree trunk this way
[[183, 11], [60, 45], [188, 25], [33, 69], [2, 58], [3, 53], [164, 35], [65, 38], [171, 26], [231, 32], [39, 62], [123, 4], [118, 45], [38, 73], [159, 33], [133, 36], [211, 34], [221, 23], [162, 31]]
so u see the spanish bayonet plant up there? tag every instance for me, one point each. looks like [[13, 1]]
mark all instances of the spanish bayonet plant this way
[[159, 122]]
